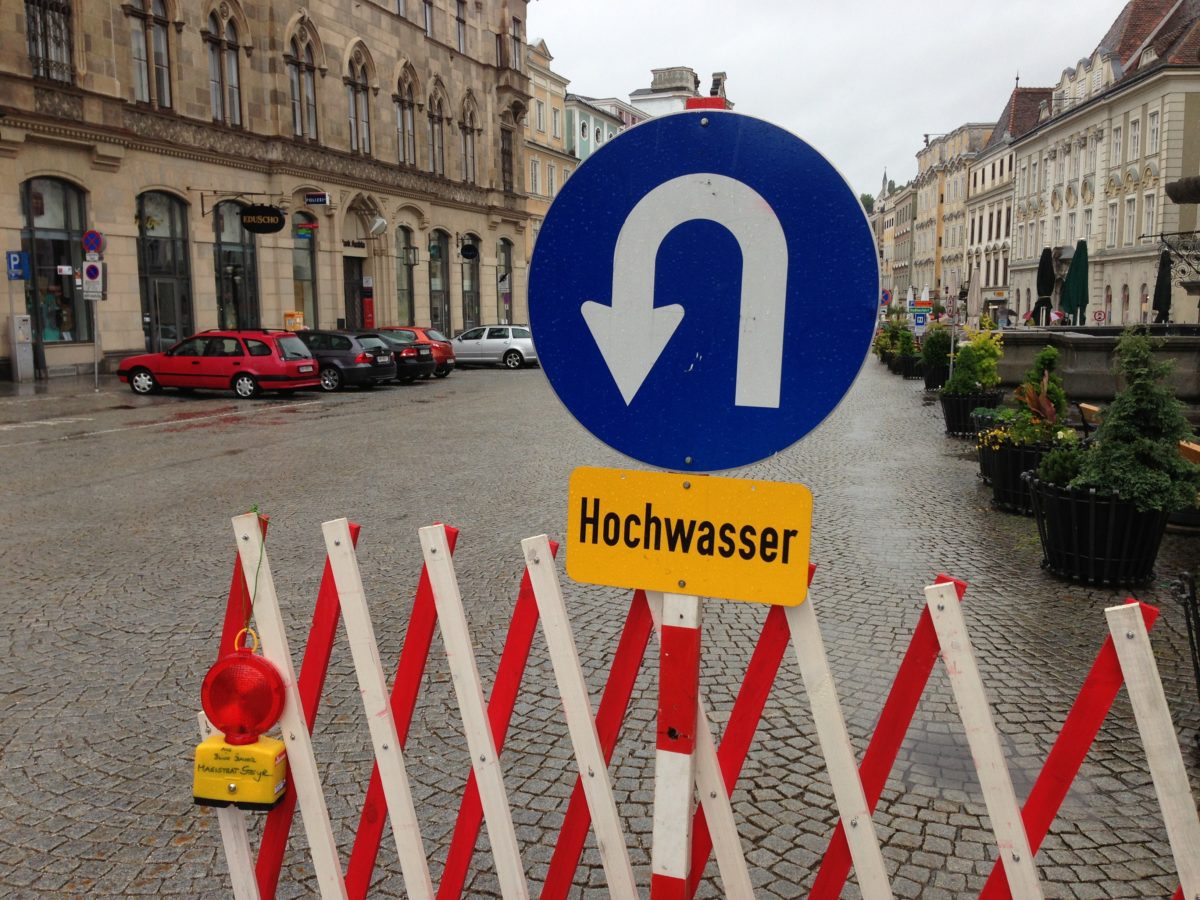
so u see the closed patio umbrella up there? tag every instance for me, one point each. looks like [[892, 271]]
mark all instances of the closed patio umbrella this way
[[974, 296], [1074, 299], [1162, 288], [1045, 288]]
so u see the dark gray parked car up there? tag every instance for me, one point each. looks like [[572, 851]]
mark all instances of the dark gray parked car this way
[[347, 358]]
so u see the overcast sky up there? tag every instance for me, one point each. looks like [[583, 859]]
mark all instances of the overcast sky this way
[[860, 80]]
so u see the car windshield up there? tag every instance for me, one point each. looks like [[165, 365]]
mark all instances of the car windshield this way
[[401, 337], [293, 348], [435, 335], [373, 343]]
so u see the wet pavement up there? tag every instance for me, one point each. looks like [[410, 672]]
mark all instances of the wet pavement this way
[[117, 548]]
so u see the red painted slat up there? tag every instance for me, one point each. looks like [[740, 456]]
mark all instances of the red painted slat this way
[[622, 676], [1079, 731], [237, 606], [405, 689], [510, 671], [894, 720], [309, 683]]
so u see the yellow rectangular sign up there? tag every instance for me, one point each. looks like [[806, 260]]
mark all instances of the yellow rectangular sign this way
[[690, 534]]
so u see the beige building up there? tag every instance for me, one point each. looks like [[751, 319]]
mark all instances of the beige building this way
[[1119, 126], [548, 162], [386, 133], [904, 213], [941, 207], [989, 214]]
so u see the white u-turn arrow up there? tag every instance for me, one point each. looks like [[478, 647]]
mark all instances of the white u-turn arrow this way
[[632, 333]]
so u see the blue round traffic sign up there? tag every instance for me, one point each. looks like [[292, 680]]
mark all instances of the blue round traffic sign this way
[[93, 241], [91, 271], [703, 291]]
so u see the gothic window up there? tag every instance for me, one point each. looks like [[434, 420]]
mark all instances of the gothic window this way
[[437, 149], [302, 77], [48, 31], [406, 137], [151, 53], [467, 129], [357, 93], [224, 82]]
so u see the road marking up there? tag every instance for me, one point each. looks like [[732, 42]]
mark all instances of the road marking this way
[[228, 415], [37, 423]]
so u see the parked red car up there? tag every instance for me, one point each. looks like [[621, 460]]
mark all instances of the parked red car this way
[[443, 351], [245, 361]]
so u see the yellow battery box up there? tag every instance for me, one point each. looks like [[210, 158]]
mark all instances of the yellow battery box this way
[[248, 776]]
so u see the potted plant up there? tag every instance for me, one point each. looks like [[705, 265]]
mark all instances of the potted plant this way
[[973, 379], [1102, 508], [935, 356], [908, 360], [1016, 439]]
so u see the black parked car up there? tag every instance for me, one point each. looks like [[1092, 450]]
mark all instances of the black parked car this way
[[414, 359], [348, 358]]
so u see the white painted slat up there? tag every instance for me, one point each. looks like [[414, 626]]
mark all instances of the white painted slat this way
[[302, 764], [456, 638], [674, 773], [837, 750], [234, 837], [976, 715], [581, 721], [372, 687], [1159, 740], [718, 812]]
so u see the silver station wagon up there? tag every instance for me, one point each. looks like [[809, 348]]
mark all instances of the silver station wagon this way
[[509, 345]]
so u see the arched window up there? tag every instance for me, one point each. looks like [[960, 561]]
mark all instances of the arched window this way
[[439, 281], [151, 53], [224, 83], [53, 217], [467, 128], [234, 260], [164, 274], [1108, 311], [406, 259], [406, 136], [437, 147], [1144, 303], [1125, 318], [470, 280], [302, 76], [50, 38], [357, 92], [504, 257], [304, 267]]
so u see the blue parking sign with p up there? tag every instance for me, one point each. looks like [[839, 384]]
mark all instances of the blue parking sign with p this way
[[18, 265]]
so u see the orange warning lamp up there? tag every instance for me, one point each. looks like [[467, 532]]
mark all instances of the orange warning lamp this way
[[242, 696]]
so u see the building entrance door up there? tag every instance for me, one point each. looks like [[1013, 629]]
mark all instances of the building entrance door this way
[[352, 279]]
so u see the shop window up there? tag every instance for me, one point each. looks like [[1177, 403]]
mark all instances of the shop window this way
[[164, 269], [53, 219], [304, 267], [470, 283], [49, 35], [406, 260], [439, 281], [236, 269], [149, 30], [504, 279]]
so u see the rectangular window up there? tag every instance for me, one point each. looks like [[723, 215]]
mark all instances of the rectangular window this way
[[141, 66], [1148, 223], [1117, 159], [1060, 169], [540, 109], [1075, 153], [556, 122], [429, 18], [1007, 221], [461, 24], [549, 180], [1130, 218], [515, 37], [1111, 238], [49, 37], [1093, 142], [1087, 225], [1020, 238], [1057, 230], [1034, 186], [534, 172], [400, 8], [1135, 140], [1152, 137], [506, 159], [1071, 229]]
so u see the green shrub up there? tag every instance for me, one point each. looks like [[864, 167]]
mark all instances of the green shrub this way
[[935, 348], [975, 364], [907, 344], [1061, 466]]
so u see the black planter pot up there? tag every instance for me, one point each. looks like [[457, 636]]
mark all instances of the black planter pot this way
[[894, 363], [935, 376], [987, 463], [1010, 491], [1095, 538], [956, 408], [910, 367], [1185, 521]]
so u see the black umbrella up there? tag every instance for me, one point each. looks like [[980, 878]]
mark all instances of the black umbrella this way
[[1162, 288], [1045, 288]]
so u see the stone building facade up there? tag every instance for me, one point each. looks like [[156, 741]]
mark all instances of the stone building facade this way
[[1118, 127], [547, 159], [903, 204], [387, 133]]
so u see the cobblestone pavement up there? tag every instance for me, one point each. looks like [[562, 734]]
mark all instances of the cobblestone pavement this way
[[117, 550]]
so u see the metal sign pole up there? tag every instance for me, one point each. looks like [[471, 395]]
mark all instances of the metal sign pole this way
[[96, 344]]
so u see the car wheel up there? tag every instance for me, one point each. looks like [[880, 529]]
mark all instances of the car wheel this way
[[441, 373], [245, 386], [331, 379], [513, 360], [141, 381]]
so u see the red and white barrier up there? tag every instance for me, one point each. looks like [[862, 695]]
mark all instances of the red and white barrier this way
[[688, 755]]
